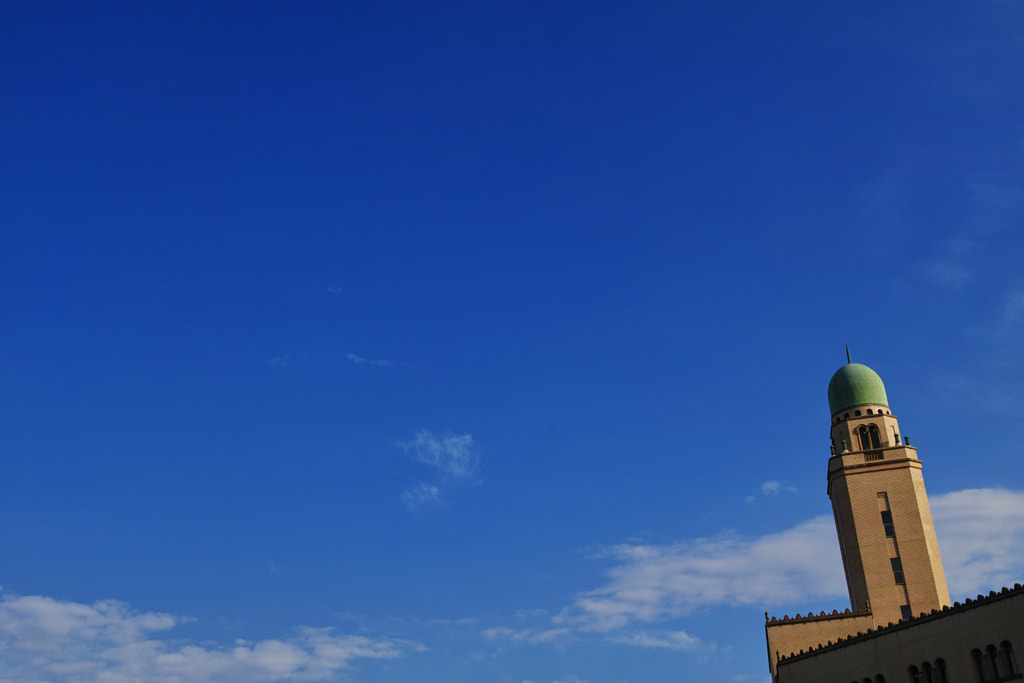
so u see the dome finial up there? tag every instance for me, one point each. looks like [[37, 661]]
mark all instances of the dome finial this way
[[848, 361]]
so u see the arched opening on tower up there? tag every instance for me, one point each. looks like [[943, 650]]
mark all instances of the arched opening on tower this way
[[869, 438]]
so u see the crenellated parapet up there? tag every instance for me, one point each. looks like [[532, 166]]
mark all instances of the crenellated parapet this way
[[835, 614], [843, 641]]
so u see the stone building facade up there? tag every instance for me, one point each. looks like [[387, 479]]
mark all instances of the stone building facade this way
[[900, 625]]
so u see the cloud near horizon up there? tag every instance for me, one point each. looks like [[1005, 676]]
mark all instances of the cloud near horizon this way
[[42, 639], [980, 532]]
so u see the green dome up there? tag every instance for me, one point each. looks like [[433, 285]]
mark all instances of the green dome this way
[[853, 385]]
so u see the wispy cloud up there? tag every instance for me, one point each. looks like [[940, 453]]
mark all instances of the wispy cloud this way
[[981, 537], [359, 360], [949, 269], [651, 583], [317, 357], [531, 636], [997, 207], [998, 396], [946, 273], [1013, 307], [465, 621], [667, 640], [289, 360], [46, 639], [454, 456], [453, 460], [422, 494], [772, 488]]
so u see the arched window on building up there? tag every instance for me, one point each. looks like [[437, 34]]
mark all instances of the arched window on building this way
[[875, 443], [980, 666], [926, 673], [995, 662], [1011, 660], [865, 440], [914, 675], [879, 678], [940, 671]]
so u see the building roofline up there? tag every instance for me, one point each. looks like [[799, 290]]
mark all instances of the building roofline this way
[[947, 610], [836, 614]]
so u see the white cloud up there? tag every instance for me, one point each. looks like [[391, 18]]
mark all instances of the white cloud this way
[[999, 395], [998, 208], [981, 537], [422, 494], [947, 273], [359, 360], [452, 455], [652, 583], [526, 635], [771, 488], [453, 460], [1013, 309], [949, 269], [465, 621], [669, 640], [46, 639], [290, 360]]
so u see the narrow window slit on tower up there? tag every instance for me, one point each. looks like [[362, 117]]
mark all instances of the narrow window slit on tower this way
[[897, 569], [890, 530]]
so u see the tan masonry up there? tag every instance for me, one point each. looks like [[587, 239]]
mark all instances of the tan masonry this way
[[790, 635]]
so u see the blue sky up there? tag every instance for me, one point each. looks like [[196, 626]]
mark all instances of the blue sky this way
[[487, 342]]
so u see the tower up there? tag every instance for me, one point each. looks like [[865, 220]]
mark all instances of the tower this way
[[900, 622], [888, 544]]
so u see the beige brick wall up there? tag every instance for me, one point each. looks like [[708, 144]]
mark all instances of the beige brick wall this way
[[854, 486], [790, 636]]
